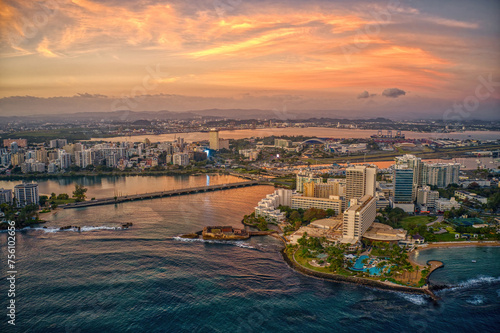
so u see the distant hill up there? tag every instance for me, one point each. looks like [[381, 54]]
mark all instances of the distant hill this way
[[143, 117]]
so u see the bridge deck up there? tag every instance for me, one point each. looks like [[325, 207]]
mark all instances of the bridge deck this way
[[152, 195]]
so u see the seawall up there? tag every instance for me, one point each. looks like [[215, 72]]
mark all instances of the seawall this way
[[355, 280]]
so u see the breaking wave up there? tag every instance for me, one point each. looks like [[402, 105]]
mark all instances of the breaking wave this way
[[475, 282], [415, 299], [212, 241], [82, 229]]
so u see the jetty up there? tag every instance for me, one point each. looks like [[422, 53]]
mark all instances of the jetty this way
[[162, 194]]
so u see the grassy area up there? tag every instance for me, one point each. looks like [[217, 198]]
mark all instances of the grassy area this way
[[447, 237], [62, 202], [417, 220]]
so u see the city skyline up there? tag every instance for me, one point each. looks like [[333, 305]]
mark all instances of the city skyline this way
[[370, 58]]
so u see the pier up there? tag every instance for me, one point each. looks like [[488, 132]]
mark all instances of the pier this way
[[161, 194]]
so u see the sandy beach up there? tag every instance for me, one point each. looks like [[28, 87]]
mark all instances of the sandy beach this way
[[458, 244]]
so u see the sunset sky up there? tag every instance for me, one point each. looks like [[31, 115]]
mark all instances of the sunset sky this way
[[383, 58]]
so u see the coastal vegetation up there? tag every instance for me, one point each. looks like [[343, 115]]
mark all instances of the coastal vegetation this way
[[379, 261], [23, 217], [301, 217], [258, 222]]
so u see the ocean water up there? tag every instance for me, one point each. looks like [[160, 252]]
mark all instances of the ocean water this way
[[146, 279]]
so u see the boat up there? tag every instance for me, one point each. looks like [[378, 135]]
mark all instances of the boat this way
[[473, 260]]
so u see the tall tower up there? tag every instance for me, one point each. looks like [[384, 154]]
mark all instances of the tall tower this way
[[213, 139], [361, 180], [358, 218], [403, 184], [414, 163]]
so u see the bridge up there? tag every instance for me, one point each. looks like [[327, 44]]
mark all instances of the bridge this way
[[313, 140], [161, 194]]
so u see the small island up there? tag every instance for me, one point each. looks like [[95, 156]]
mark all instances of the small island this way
[[225, 233]]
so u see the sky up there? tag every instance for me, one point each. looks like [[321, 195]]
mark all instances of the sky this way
[[398, 59]]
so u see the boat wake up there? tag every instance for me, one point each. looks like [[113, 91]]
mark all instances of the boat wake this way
[[210, 241], [476, 300]]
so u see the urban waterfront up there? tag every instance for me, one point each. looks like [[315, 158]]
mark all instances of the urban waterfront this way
[[147, 279], [321, 132], [109, 186]]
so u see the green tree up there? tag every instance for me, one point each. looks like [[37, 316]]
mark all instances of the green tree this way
[[295, 216], [63, 196], [43, 200], [79, 192]]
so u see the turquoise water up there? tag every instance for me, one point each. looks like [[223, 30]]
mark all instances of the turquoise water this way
[[359, 266], [146, 279]]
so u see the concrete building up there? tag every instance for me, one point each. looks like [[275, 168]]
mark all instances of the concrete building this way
[[404, 188], [52, 168], [41, 155], [358, 218], [216, 143], [26, 194], [333, 202], [282, 143], [414, 163], [19, 142], [480, 182], [17, 159], [251, 154], [181, 159], [6, 196], [445, 204], [85, 158], [324, 190], [360, 181], [427, 198], [465, 195], [32, 165], [303, 178], [440, 174], [58, 143], [223, 144], [382, 200], [213, 139], [403, 184], [379, 232], [267, 207], [64, 160]]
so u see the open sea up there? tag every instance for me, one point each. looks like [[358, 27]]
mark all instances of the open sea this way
[[146, 279]]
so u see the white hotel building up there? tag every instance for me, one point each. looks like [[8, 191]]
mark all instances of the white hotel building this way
[[358, 218], [267, 207]]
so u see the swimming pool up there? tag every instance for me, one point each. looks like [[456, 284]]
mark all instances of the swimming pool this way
[[359, 266]]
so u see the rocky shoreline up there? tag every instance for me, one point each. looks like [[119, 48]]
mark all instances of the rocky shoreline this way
[[359, 281]]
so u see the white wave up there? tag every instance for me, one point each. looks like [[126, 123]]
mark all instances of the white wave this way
[[476, 300], [85, 228], [82, 229], [475, 282], [415, 299], [214, 241], [47, 230]]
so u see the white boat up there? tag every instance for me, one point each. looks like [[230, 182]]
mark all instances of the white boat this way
[[473, 260]]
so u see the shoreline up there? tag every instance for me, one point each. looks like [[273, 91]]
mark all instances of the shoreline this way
[[444, 245], [382, 285]]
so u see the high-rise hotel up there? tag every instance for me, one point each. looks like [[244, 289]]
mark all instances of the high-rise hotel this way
[[360, 181], [358, 218]]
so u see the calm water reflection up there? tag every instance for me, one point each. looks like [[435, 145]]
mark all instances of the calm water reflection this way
[[100, 187]]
